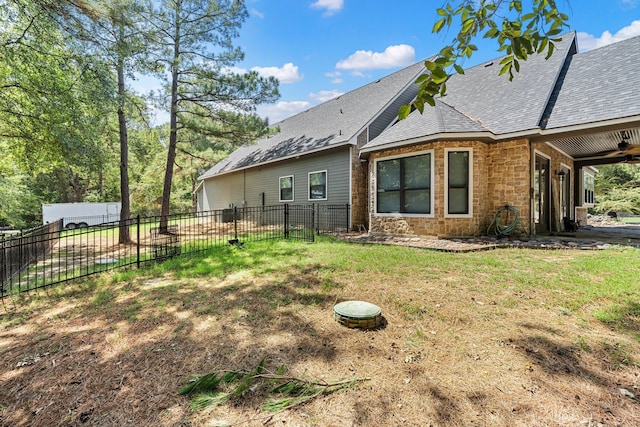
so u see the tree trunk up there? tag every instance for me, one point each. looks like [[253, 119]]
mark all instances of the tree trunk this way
[[173, 122], [125, 213]]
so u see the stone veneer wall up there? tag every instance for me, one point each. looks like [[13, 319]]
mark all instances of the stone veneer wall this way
[[359, 194], [501, 175]]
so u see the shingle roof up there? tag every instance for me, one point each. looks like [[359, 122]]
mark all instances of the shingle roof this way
[[481, 100], [330, 124], [504, 106], [601, 84], [434, 121]]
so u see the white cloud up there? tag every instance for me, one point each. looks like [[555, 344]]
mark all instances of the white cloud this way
[[335, 77], [282, 110], [331, 6], [628, 4], [393, 56], [325, 95], [587, 41], [256, 12], [288, 73]]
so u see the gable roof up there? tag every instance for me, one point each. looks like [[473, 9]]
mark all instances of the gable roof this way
[[482, 103], [608, 73], [331, 124]]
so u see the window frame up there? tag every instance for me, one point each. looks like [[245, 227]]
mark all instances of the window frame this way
[[326, 185], [588, 194], [470, 183], [293, 181], [431, 214]]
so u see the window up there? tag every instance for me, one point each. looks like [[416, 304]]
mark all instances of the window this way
[[458, 178], [286, 188], [588, 183], [404, 185], [318, 185]]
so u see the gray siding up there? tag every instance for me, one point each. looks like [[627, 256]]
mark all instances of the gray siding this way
[[389, 115], [248, 185], [219, 193]]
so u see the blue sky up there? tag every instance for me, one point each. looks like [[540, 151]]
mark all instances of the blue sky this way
[[319, 49]]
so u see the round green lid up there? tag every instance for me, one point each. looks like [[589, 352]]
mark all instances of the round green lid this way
[[357, 309]]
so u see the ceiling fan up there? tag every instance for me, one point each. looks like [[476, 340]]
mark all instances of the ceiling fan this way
[[624, 148]]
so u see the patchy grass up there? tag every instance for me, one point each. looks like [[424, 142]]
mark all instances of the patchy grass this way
[[504, 338]]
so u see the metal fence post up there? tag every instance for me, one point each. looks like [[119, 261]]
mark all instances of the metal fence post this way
[[348, 217], [235, 223], [286, 220], [138, 241], [313, 220]]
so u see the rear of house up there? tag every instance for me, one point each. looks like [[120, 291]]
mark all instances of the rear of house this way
[[530, 144]]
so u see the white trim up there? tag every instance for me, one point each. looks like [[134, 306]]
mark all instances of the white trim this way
[[293, 188], [590, 126], [583, 202], [374, 186], [541, 154], [534, 134], [446, 183], [326, 185], [430, 138]]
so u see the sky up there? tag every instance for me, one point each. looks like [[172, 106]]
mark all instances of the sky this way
[[320, 49]]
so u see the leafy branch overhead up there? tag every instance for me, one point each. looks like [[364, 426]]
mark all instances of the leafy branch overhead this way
[[520, 32]]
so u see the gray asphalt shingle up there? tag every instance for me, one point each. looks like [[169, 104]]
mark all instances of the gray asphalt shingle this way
[[481, 100], [327, 125], [601, 84]]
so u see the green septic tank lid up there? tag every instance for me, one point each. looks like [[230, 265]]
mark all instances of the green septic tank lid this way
[[357, 309]]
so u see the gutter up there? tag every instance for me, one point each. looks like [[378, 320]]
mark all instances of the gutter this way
[[534, 135]]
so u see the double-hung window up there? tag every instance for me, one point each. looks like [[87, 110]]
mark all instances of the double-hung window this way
[[458, 176], [403, 185], [318, 185], [286, 188]]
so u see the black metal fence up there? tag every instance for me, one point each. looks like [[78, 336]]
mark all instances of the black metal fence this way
[[52, 255], [20, 251]]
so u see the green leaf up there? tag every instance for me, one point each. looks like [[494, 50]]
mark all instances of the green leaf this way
[[404, 111], [550, 50], [422, 78], [458, 69], [438, 26], [439, 75], [505, 68]]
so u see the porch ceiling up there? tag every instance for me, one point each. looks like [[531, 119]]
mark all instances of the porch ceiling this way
[[591, 148]]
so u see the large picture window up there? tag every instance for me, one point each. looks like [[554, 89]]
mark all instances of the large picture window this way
[[458, 179], [404, 185], [286, 188], [318, 185]]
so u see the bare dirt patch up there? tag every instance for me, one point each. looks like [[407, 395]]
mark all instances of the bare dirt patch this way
[[451, 352]]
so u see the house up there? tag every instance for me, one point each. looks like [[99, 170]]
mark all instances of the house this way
[[530, 143]]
